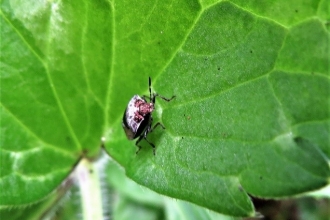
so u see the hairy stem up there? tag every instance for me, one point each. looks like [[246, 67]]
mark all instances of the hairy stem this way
[[90, 190]]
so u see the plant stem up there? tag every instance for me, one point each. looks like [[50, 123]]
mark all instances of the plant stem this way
[[90, 190]]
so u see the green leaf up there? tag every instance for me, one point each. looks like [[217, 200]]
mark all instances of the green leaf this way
[[246, 103], [50, 104], [135, 201], [251, 113]]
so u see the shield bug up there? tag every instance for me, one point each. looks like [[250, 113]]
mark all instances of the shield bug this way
[[137, 119]]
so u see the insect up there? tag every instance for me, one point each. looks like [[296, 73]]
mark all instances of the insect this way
[[137, 118]]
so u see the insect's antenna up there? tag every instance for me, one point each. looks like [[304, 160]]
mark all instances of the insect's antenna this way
[[150, 87]]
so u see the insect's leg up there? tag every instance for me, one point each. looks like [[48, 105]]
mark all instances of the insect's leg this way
[[152, 145], [146, 97], [156, 125], [148, 130], [164, 98], [137, 142]]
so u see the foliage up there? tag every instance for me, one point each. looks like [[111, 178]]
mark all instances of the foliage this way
[[251, 114]]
